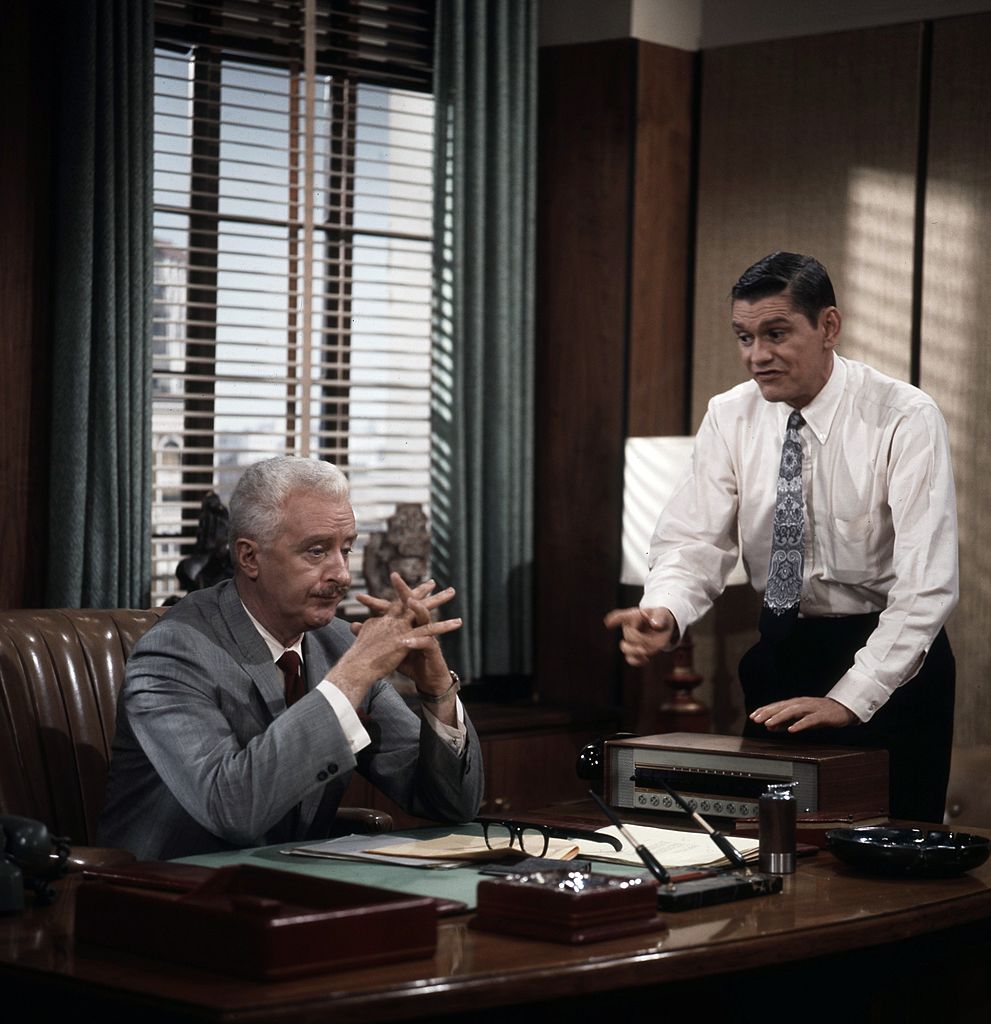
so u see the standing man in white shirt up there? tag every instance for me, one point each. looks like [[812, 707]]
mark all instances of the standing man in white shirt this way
[[846, 515]]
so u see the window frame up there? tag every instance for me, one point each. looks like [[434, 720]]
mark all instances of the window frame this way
[[206, 32]]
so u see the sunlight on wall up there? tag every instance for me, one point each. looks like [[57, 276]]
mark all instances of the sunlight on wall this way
[[955, 368], [951, 339], [874, 292]]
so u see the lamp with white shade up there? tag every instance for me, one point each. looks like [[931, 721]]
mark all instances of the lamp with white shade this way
[[654, 466]]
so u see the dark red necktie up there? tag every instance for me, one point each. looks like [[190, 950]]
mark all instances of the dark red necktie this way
[[295, 687]]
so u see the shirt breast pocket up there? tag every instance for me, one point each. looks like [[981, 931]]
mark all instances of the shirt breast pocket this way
[[851, 549]]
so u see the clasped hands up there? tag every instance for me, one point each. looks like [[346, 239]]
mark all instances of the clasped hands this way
[[399, 635]]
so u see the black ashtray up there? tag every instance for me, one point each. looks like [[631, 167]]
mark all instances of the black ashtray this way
[[921, 852]]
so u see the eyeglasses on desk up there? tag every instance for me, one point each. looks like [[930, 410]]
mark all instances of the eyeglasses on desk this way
[[533, 838]]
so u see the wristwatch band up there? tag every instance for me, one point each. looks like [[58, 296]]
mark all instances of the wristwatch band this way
[[439, 698]]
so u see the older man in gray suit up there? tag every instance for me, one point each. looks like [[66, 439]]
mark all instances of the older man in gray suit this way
[[225, 740]]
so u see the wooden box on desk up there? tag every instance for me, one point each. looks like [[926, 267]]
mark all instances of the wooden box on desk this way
[[568, 906], [261, 924], [725, 775]]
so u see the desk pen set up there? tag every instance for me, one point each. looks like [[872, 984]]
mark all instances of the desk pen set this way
[[739, 883], [574, 906]]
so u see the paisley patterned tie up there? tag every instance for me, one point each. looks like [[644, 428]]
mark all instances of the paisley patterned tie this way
[[784, 574]]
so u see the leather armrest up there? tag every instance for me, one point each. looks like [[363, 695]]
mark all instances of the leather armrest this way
[[363, 820]]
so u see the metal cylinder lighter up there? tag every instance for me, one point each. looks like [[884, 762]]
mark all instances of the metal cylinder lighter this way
[[777, 813]]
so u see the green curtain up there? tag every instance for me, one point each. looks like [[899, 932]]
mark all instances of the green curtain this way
[[482, 418], [99, 520]]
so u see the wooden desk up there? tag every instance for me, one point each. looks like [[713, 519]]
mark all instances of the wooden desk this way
[[834, 945]]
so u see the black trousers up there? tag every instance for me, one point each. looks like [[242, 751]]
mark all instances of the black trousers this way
[[915, 726]]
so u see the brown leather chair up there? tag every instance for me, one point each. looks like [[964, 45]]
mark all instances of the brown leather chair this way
[[60, 673]]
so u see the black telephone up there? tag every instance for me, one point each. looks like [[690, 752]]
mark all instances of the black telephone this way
[[29, 857]]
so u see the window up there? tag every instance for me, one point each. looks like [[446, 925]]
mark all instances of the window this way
[[293, 250]]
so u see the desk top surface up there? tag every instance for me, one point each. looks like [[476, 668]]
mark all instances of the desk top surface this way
[[825, 908]]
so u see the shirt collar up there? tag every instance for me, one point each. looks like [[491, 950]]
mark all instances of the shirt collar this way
[[276, 649], [821, 411]]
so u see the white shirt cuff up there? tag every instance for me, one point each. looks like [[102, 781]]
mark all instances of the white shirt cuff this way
[[354, 731], [860, 694], [453, 736]]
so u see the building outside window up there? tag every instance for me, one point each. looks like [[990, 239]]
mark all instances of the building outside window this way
[[293, 251]]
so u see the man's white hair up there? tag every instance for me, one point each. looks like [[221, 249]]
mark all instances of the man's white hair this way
[[260, 495]]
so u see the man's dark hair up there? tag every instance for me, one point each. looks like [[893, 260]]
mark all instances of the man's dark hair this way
[[804, 277]]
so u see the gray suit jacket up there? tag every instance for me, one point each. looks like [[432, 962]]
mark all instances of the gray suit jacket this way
[[208, 757]]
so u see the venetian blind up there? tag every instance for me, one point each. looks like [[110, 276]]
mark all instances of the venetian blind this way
[[293, 204]]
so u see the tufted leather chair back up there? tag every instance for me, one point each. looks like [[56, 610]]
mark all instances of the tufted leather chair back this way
[[60, 673]]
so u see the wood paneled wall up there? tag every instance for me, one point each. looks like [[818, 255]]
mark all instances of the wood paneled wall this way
[[956, 348], [809, 145], [614, 186]]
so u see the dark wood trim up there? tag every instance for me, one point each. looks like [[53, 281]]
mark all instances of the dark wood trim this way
[[586, 133], [921, 181], [614, 216], [661, 242], [25, 291]]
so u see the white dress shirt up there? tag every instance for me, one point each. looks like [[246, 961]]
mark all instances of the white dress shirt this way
[[880, 518], [355, 733]]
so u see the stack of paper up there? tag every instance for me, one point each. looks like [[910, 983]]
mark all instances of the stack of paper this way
[[454, 847], [674, 849], [445, 851]]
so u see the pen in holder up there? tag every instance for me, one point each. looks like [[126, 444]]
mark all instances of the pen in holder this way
[[716, 887]]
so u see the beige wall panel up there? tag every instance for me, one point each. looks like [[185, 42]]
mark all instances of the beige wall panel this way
[[956, 349], [809, 145]]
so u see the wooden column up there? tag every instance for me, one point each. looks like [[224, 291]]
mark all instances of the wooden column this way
[[613, 253]]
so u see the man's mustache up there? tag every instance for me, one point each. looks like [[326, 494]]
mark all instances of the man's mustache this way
[[334, 592]]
